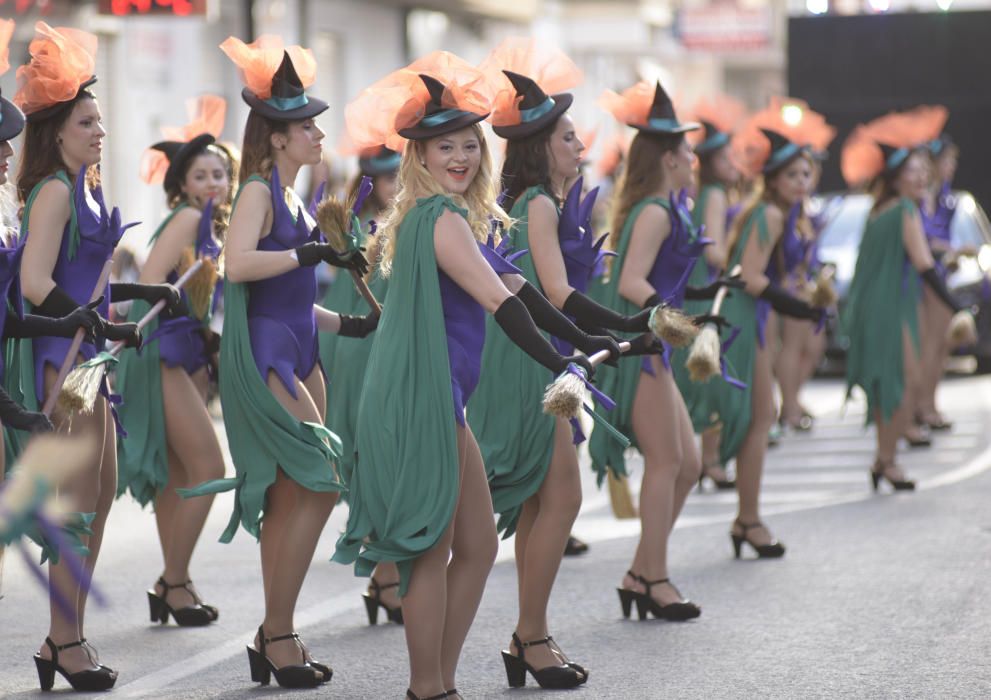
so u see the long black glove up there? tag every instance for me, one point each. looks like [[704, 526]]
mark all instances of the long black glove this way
[[517, 324], [357, 326], [785, 303], [709, 291], [15, 416], [57, 304], [547, 317], [936, 283], [644, 344], [128, 332], [151, 293], [589, 312], [310, 254], [32, 326]]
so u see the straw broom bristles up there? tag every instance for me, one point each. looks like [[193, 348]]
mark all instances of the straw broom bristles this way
[[565, 395], [703, 359], [672, 326], [963, 329], [824, 294], [334, 221], [200, 287]]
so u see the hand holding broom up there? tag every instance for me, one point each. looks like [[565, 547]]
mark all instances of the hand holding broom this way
[[703, 359], [83, 384], [564, 396]]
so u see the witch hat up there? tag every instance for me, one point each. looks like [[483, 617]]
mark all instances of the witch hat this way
[[783, 151], [437, 119], [661, 118], [289, 102], [537, 109]]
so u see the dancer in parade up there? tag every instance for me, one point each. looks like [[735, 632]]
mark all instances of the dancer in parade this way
[[882, 311], [345, 359], [530, 457], [70, 237], [171, 442], [271, 385], [656, 247], [418, 494], [719, 116]]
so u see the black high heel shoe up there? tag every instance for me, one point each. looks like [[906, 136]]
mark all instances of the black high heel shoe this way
[[373, 601], [628, 596], [674, 612], [721, 484], [196, 615], [410, 695], [877, 475], [771, 550], [88, 680], [304, 675], [551, 677]]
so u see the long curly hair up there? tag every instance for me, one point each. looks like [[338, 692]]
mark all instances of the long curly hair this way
[[416, 182]]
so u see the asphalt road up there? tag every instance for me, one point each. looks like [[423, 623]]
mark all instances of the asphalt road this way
[[879, 595]]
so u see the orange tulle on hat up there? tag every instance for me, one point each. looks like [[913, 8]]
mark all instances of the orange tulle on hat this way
[[787, 117], [632, 106], [258, 61], [720, 112], [206, 116], [6, 32], [546, 65], [399, 100], [614, 150], [863, 157], [62, 62]]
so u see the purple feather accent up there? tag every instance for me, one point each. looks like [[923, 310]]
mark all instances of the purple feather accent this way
[[600, 398], [501, 199], [373, 227], [206, 246], [723, 369], [39, 575], [53, 533], [364, 189], [577, 434], [581, 251], [317, 198]]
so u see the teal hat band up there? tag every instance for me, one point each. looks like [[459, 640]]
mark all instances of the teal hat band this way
[[390, 162], [442, 117], [896, 158], [534, 113], [286, 104], [663, 124], [782, 156], [714, 142]]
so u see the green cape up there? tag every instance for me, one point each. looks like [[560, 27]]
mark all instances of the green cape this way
[[405, 483], [883, 298]]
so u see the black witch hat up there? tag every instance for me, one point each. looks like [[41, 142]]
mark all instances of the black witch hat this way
[[289, 102], [783, 151], [661, 118], [537, 108], [713, 139], [59, 107], [437, 119], [893, 156], [11, 119], [384, 161], [179, 153]]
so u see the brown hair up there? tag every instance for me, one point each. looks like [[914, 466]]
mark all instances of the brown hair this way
[[256, 150], [641, 177], [371, 207], [527, 165], [41, 156]]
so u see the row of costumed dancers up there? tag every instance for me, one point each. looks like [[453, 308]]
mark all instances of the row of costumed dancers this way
[[449, 414]]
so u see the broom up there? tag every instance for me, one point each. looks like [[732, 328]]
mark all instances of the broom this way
[[334, 220], [823, 294], [620, 497], [565, 395], [83, 384], [672, 326], [963, 330], [70, 357], [703, 358]]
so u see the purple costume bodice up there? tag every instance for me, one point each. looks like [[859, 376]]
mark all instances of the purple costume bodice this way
[[937, 224], [281, 321], [99, 232], [180, 340], [464, 323], [10, 288]]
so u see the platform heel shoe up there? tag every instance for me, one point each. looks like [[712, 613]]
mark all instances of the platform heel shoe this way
[[771, 550], [88, 681], [373, 601], [674, 612], [304, 675], [551, 677], [879, 472], [721, 484], [196, 615], [628, 597], [410, 695]]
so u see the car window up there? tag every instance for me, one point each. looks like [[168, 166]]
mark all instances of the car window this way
[[969, 226], [846, 218]]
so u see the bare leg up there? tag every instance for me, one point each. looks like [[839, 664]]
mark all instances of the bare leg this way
[[935, 351], [385, 573], [165, 503], [787, 368], [750, 457], [888, 432], [524, 525], [189, 432], [556, 504]]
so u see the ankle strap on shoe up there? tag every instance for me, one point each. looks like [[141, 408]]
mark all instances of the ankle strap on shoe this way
[[282, 637], [747, 526], [521, 645], [379, 587]]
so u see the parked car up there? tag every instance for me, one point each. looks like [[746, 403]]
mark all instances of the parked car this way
[[839, 244]]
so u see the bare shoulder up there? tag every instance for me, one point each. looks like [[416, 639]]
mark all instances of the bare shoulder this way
[[451, 223], [54, 193], [653, 215], [717, 197], [775, 217], [543, 206], [183, 225]]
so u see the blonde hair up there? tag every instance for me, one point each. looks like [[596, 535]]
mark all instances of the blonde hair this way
[[416, 182]]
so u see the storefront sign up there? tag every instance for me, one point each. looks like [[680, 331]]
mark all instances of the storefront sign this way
[[724, 25], [179, 8]]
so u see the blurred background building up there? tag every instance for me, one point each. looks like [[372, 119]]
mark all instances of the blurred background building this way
[[154, 54]]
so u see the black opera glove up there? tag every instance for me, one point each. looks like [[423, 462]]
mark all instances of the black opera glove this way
[[709, 291], [932, 278], [151, 293], [310, 254], [549, 318], [33, 326], [127, 332], [357, 326], [588, 312], [516, 322], [15, 416], [784, 303]]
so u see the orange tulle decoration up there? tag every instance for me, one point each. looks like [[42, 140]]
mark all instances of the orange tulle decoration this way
[[206, 116], [258, 61], [791, 118], [546, 65], [862, 158], [6, 31], [399, 100], [62, 59], [632, 105], [613, 152], [588, 137], [723, 112]]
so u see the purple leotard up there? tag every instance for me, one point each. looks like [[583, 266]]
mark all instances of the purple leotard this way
[[464, 323], [281, 320], [10, 293], [99, 233]]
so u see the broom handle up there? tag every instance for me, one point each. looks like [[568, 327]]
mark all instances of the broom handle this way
[[366, 293], [603, 355], [721, 294], [77, 341], [159, 305]]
